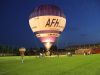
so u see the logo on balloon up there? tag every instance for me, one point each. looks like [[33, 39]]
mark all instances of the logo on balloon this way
[[53, 22]]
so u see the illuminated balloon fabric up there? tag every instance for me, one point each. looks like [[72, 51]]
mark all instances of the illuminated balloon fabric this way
[[47, 22], [22, 51]]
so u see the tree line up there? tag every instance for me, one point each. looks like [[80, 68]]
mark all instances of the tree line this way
[[14, 51]]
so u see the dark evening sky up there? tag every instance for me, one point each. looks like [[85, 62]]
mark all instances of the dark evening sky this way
[[83, 22]]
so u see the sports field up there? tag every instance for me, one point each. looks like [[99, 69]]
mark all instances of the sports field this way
[[75, 65]]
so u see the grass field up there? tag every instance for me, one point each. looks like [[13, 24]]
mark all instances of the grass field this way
[[75, 65]]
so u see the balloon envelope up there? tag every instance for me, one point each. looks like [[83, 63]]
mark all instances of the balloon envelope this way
[[22, 51], [47, 22]]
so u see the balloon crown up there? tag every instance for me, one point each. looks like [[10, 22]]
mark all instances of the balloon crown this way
[[47, 9]]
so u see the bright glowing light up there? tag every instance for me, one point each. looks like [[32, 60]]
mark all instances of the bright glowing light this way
[[48, 40], [48, 45]]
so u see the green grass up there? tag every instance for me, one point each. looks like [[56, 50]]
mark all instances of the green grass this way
[[75, 65]]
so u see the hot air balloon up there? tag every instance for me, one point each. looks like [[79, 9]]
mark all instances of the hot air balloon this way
[[47, 22], [22, 52]]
